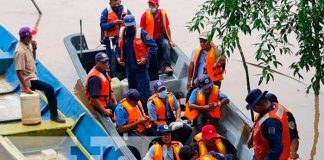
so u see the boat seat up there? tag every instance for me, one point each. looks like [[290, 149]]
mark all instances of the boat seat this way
[[44, 128]]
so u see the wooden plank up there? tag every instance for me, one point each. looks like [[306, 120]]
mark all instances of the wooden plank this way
[[18, 128]]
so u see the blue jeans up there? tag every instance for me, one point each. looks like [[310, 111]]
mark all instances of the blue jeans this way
[[163, 44]]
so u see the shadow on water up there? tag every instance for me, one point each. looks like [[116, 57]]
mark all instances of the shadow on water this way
[[316, 133]]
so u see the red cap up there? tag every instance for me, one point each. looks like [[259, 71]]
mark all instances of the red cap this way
[[209, 132], [154, 1]]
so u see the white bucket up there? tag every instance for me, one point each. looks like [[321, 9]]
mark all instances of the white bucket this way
[[116, 87]]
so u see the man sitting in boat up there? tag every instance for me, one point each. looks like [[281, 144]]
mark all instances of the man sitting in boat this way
[[156, 23], [270, 132], [206, 59], [131, 118], [164, 148], [98, 86], [209, 140], [190, 152], [135, 50], [111, 20], [160, 109], [26, 71], [204, 104]]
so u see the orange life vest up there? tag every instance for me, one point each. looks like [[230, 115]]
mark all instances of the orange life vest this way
[[139, 46], [105, 91], [207, 157], [135, 114], [158, 150], [160, 107], [200, 100], [150, 24], [112, 16], [215, 73], [260, 144], [203, 148]]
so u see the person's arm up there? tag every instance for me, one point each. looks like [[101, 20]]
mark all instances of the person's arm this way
[[294, 137], [143, 21], [152, 113], [25, 88], [150, 153], [104, 24], [177, 108], [20, 65], [272, 131], [150, 43], [294, 144], [190, 71], [97, 104], [94, 93], [34, 48], [132, 126]]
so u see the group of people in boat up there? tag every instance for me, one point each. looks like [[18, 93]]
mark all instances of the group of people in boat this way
[[142, 113]]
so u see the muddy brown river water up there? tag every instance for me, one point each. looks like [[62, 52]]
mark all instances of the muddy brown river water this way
[[61, 17]]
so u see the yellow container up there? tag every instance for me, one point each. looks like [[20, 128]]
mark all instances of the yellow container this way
[[30, 108]]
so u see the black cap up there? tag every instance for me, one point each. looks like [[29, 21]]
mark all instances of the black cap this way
[[133, 95]]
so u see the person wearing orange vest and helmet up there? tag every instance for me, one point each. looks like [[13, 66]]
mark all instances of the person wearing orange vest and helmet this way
[[135, 50], [293, 132], [270, 133], [209, 140], [207, 59], [164, 148], [111, 20], [98, 86], [130, 116], [156, 23], [204, 104], [160, 109]]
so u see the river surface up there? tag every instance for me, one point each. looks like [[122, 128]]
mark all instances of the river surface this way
[[61, 17]]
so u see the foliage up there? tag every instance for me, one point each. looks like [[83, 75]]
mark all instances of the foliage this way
[[275, 20]]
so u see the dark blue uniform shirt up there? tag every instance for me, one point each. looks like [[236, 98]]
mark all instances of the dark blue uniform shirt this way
[[272, 131]]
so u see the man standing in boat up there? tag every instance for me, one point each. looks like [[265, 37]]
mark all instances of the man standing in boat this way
[[206, 59], [270, 131], [26, 71], [160, 109], [156, 23], [98, 86], [204, 104], [293, 132], [135, 50], [131, 118], [111, 20]]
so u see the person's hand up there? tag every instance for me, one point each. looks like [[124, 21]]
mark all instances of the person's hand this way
[[108, 112], [118, 22], [34, 44], [178, 120], [206, 107], [172, 44], [144, 119], [27, 90], [142, 61], [293, 155], [120, 62], [250, 140]]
